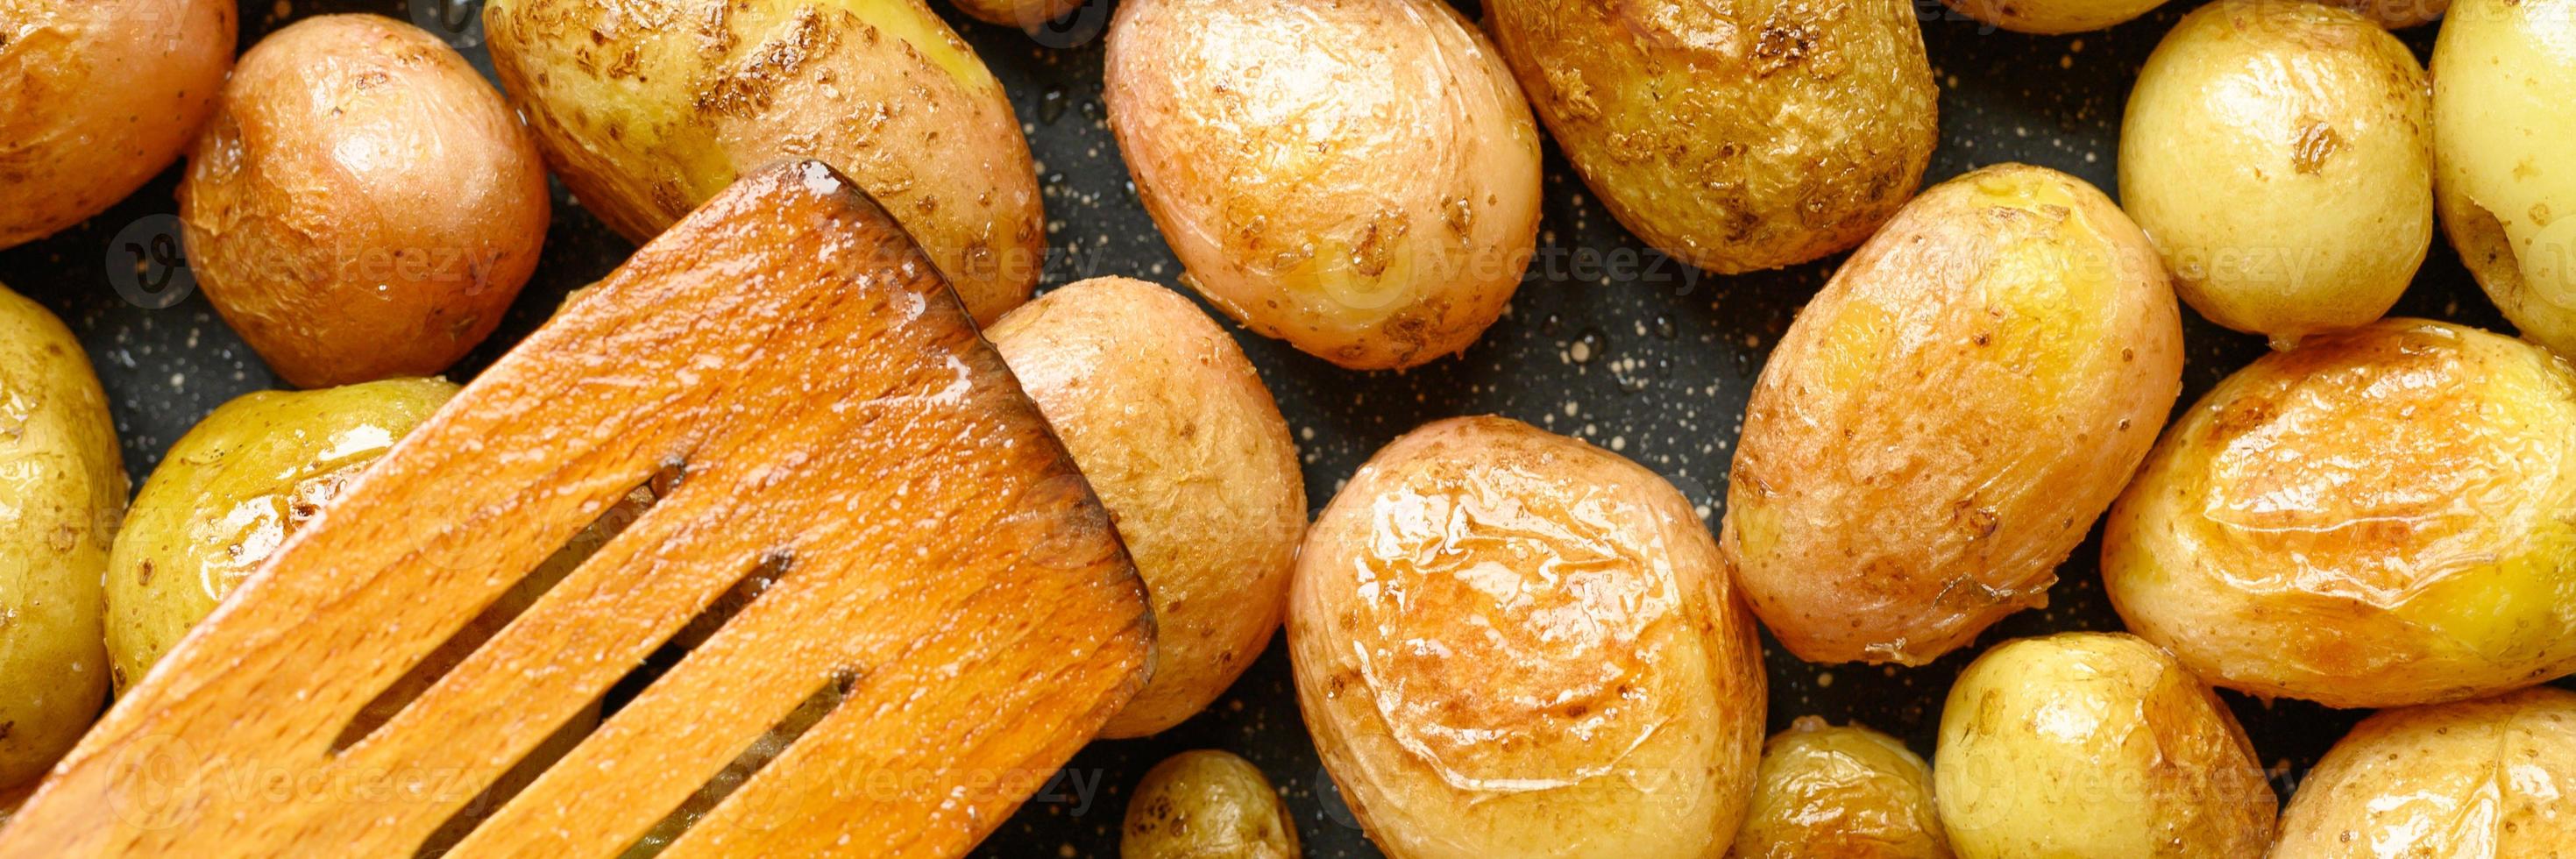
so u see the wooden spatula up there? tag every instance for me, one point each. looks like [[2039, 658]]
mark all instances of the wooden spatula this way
[[934, 612]]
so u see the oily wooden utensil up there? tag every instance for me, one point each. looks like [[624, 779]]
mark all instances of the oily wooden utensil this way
[[929, 610]]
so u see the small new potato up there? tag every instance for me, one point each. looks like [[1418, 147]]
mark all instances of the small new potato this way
[[362, 204], [1510, 643], [646, 108], [2279, 154], [1188, 453], [1844, 793], [1360, 179], [2504, 135], [1203, 805], [96, 96], [228, 494], [2379, 517], [2053, 17], [2492, 777], [1942, 424], [2095, 744], [1735, 137], [62, 481]]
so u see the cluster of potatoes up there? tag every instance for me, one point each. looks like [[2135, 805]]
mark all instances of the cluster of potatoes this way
[[1505, 642]]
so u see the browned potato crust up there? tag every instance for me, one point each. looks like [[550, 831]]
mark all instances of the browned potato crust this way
[[96, 96], [1747, 136], [645, 108], [2380, 517], [1943, 423], [2086, 744], [1840, 793], [362, 205], [1187, 451], [2495, 777], [1511, 643], [1359, 178]]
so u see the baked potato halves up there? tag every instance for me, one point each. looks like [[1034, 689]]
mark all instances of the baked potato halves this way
[[2494, 777], [96, 96], [2379, 517], [1942, 424], [1766, 135], [62, 483], [646, 108], [1359, 178], [2504, 140], [1509, 643]]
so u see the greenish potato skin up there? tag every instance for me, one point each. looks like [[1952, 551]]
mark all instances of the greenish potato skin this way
[[647, 108], [1207, 804], [62, 488], [1942, 424], [2053, 17], [2380, 517], [2087, 744], [1845, 793], [2280, 157], [232, 490], [2504, 137], [1732, 146], [2486, 778]]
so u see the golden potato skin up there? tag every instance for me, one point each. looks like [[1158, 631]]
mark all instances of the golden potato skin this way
[[2279, 154], [1765, 135], [1360, 178], [230, 491], [1203, 805], [96, 96], [1840, 793], [1942, 424], [2051, 17], [647, 108], [1510, 643], [2492, 778], [2394, 14], [62, 479], [2095, 744], [2503, 126], [1189, 454], [2380, 517], [362, 204]]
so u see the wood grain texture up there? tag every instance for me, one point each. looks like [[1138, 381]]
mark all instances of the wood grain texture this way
[[835, 412]]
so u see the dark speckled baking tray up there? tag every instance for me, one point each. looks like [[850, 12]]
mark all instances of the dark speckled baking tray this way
[[1608, 342]]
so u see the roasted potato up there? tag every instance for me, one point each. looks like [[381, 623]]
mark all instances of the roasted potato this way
[[62, 481], [2380, 517], [1024, 14], [362, 204], [1747, 136], [2394, 14], [2095, 744], [96, 96], [230, 491], [1190, 456], [2504, 127], [1204, 805], [2050, 17], [1942, 424], [1511, 643], [1359, 178], [2279, 155], [1843, 793], [647, 108], [2490, 778]]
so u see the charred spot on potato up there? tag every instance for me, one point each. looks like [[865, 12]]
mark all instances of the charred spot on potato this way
[[2316, 142]]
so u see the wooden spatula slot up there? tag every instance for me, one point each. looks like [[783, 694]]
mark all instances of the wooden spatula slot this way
[[947, 577]]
